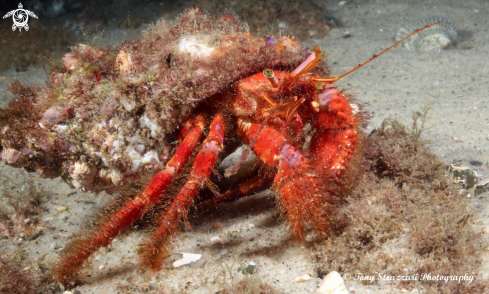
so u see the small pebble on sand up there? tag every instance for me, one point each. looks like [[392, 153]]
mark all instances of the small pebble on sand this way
[[216, 240]]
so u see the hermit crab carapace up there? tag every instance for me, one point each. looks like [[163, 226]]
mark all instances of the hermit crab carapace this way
[[107, 117]]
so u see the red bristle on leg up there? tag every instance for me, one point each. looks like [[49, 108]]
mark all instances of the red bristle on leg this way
[[295, 182], [333, 150], [298, 188], [152, 253], [184, 130], [81, 248]]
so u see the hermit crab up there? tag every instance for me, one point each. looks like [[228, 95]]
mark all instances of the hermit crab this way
[[174, 102]]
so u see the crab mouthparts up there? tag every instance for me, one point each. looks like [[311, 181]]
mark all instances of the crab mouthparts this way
[[287, 110]]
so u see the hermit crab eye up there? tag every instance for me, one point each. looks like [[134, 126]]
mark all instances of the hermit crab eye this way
[[269, 74]]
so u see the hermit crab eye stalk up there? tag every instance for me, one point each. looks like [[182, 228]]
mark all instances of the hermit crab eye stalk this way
[[268, 73]]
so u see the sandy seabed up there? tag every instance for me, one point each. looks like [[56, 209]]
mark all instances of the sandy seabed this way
[[453, 82]]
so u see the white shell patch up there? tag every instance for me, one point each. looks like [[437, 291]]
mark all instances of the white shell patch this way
[[186, 259]]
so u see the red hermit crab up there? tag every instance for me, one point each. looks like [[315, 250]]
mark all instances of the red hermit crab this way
[[107, 117]]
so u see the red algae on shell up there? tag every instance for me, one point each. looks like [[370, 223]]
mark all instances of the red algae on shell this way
[[107, 116]]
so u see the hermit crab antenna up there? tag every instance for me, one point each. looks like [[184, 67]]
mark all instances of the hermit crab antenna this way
[[334, 79]]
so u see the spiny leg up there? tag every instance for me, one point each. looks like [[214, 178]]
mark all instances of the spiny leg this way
[[81, 248], [295, 182], [152, 253]]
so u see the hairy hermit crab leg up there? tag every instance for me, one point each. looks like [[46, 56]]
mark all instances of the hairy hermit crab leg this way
[[152, 253], [82, 247], [299, 189]]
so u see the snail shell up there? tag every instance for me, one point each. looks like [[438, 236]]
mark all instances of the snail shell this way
[[435, 38], [82, 174], [14, 157]]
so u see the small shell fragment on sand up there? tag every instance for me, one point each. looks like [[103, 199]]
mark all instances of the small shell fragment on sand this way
[[216, 240], [186, 259], [332, 284], [303, 278], [61, 208], [435, 38]]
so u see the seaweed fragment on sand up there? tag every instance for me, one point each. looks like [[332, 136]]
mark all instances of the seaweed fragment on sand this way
[[405, 217]]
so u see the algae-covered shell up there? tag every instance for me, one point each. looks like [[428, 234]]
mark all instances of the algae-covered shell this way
[[108, 116], [435, 38], [13, 157]]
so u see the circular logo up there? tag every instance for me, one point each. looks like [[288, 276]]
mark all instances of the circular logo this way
[[20, 17]]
